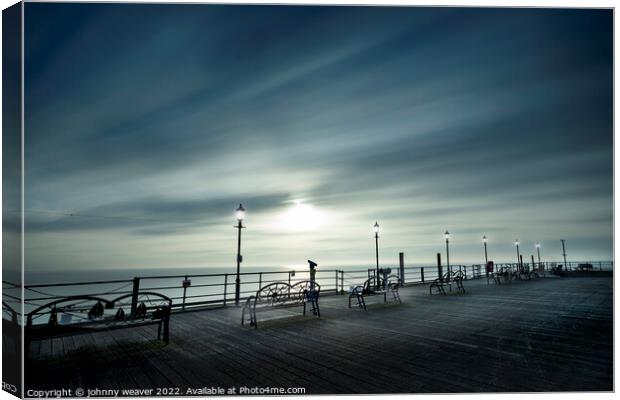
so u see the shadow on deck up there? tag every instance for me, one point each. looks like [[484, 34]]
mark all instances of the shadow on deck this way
[[543, 335]]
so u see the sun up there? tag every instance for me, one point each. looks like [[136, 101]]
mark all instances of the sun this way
[[303, 217]]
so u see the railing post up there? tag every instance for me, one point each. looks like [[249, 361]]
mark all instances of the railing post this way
[[134, 296], [225, 287], [401, 259], [341, 282], [260, 279], [289, 277], [184, 293], [336, 287], [422, 274]]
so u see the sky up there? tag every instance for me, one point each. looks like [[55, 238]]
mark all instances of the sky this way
[[147, 125]]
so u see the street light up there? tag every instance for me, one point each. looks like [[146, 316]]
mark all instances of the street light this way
[[376, 229], [564, 254], [538, 251], [486, 258], [447, 236], [518, 253], [239, 214]]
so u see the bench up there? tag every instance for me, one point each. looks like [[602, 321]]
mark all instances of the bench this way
[[279, 295], [508, 273], [532, 271], [11, 330], [559, 271], [74, 315], [388, 286], [585, 267], [498, 275], [456, 277], [523, 273]]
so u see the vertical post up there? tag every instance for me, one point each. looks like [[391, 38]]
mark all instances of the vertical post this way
[[600, 266], [439, 267], [377, 257], [239, 213], [448, 255], [341, 282], [336, 287], [401, 260], [288, 289], [564, 254], [184, 293], [260, 279], [134, 296], [422, 274], [238, 279], [225, 287], [486, 256]]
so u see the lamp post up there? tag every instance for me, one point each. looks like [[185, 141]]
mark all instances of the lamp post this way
[[240, 214], [376, 229], [486, 258], [518, 253], [564, 254], [447, 236], [538, 251]]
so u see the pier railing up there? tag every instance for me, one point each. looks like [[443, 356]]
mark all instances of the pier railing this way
[[212, 290]]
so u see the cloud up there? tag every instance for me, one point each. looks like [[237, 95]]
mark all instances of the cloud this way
[[473, 120]]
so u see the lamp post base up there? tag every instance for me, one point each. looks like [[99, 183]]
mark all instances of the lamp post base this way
[[237, 291]]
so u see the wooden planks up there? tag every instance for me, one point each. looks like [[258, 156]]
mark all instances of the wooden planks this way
[[541, 335]]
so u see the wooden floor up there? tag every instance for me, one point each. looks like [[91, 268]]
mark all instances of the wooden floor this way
[[553, 334]]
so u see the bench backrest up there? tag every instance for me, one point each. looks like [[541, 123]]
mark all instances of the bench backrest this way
[[305, 291], [454, 275], [154, 304], [82, 309], [8, 313], [391, 282], [281, 293], [370, 284]]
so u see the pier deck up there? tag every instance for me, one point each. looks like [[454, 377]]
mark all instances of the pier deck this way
[[543, 335]]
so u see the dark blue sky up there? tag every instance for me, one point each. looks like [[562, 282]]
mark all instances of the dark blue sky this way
[[150, 123]]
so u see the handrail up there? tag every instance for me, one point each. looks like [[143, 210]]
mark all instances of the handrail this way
[[215, 288]]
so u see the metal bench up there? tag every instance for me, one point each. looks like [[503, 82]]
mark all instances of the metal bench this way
[[559, 271], [506, 273], [585, 267], [282, 295], [388, 286], [449, 278], [76, 315]]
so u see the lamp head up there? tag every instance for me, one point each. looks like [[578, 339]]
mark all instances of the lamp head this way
[[376, 227], [516, 242], [447, 235], [240, 213], [538, 245], [484, 238]]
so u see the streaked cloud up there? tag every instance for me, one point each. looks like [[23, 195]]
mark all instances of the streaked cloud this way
[[147, 125]]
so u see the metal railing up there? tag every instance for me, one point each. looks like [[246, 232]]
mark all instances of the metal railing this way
[[217, 290]]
